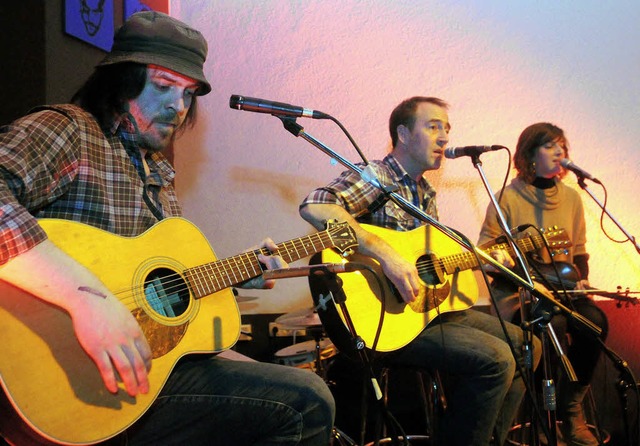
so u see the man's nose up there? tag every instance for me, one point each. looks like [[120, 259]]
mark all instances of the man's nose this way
[[177, 103]]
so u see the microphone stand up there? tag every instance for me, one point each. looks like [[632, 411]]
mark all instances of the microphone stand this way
[[333, 285], [584, 187], [368, 175]]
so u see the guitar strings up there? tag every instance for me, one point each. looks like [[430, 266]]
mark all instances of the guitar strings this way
[[223, 270], [177, 282]]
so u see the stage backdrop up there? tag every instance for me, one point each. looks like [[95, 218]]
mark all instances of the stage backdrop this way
[[502, 65]]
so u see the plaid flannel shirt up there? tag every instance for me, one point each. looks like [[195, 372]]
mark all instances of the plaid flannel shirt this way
[[363, 200], [57, 163]]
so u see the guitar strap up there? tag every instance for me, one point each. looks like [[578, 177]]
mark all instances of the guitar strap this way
[[375, 205], [152, 206]]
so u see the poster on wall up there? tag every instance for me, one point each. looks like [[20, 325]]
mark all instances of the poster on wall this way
[[132, 6], [90, 21]]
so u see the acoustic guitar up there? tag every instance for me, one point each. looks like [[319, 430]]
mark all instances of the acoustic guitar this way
[[448, 284], [178, 292]]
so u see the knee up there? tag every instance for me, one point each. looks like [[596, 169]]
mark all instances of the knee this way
[[318, 397], [587, 308], [505, 363]]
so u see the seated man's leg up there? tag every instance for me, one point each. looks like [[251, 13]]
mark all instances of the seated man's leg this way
[[513, 399], [223, 402], [465, 344]]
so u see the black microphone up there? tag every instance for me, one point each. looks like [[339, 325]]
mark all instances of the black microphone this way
[[274, 108], [456, 152], [310, 270], [581, 173]]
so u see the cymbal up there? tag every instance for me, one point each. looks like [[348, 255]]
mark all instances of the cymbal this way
[[300, 319], [305, 347], [241, 299]]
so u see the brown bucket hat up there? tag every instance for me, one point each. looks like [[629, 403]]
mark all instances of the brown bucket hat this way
[[154, 38]]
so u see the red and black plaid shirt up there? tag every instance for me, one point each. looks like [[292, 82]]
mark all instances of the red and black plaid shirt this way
[[58, 163]]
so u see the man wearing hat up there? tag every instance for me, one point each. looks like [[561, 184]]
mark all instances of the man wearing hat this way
[[98, 161]]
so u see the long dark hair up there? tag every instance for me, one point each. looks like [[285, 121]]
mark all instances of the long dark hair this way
[[107, 90], [532, 138]]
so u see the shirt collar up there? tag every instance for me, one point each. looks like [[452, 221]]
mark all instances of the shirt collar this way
[[398, 171]]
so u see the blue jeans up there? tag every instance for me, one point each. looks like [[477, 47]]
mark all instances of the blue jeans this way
[[470, 346], [216, 401]]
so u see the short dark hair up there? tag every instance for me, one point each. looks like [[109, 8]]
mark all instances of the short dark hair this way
[[530, 139], [405, 114], [106, 92]]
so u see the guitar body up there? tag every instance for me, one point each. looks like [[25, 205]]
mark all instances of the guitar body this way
[[170, 280], [442, 291], [47, 376]]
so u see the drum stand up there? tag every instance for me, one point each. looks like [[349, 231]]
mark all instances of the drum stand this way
[[317, 334]]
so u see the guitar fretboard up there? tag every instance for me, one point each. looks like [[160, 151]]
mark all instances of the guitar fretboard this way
[[468, 260], [215, 276]]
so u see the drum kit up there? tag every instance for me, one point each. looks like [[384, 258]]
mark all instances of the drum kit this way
[[314, 354]]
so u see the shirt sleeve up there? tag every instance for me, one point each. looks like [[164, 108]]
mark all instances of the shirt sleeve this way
[[37, 161], [349, 191]]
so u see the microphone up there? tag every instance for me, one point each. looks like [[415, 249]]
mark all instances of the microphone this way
[[456, 152], [274, 108], [310, 270], [580, 173]]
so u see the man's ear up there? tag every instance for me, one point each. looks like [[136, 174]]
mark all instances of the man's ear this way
[[403, 133]]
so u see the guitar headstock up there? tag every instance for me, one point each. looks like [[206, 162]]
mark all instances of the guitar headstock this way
[[623, 296], [557, 239], [343, 237]]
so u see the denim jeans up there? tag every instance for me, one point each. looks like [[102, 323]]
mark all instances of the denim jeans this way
[[487, 390], [216, 401]]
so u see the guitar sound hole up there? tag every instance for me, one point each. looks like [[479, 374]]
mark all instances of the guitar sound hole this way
[[166, 292], [429, 270]]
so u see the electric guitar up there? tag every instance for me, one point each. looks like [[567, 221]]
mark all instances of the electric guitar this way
[[178, 292], [448, 284]]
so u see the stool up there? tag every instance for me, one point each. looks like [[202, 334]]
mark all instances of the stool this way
[[432, 403]]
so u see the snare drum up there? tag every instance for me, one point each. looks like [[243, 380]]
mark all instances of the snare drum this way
[[303, 354]]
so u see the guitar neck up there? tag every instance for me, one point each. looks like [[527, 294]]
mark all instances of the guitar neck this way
[[467, 260], [215, 276]]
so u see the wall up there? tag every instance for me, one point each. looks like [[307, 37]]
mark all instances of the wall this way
[[502, 65], [44, 65]]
